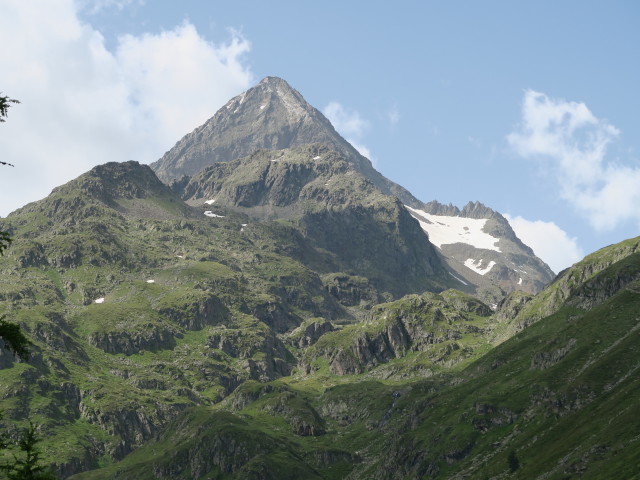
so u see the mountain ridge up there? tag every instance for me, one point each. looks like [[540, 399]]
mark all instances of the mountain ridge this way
[[271, 115], [274, 116]]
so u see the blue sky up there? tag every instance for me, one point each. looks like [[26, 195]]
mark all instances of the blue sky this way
[[528, 107]]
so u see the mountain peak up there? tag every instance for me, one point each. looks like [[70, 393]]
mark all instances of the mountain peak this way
[[271, 115], [275, 82], [471, 210]]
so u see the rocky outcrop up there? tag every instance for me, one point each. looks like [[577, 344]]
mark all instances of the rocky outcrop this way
[[146, 337], [309, 333], [197, 313], [276, 317], [488, 416], [544, 360], [130, 424], [411, 324], [303, 418], [351, 290], [264, 355]]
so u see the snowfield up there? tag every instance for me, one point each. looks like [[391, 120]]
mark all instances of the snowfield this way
[[444, 230], [209, 213], [476, 265]]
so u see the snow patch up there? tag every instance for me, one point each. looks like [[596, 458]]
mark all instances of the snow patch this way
[[494, 306], [151, 281], [459, 279], [262, 107], [210, 202], [209, 213], [476, 266], [520, 281], [99, 300], [445, 230], [180, 256], [317, 157]]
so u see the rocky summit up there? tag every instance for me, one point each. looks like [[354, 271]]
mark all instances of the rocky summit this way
[[262, 304], [274, 116]]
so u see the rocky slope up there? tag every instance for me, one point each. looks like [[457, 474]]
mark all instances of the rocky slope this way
[[368, 233], [272, 115], [482, 251], [555, 401], [140, 305]]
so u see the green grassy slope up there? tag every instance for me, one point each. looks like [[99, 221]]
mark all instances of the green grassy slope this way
[[193, 306], [557, 401]]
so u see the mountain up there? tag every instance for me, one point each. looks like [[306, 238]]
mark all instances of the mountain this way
[[482, 251], [284, 314], [339, 210], [557, 400], [140, 306], [274, 116]]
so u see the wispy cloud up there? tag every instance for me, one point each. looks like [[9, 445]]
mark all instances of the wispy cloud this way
[[393, 115], [83, 104], [548, 241], [96, 6], [574, 143], [350, 124]]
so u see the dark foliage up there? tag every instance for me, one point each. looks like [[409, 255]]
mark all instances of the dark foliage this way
[[25, 465], [14, 339], [5, 103]]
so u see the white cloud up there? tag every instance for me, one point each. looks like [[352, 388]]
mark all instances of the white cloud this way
[[474, 142], [362, 149], [548, 241], [95, 6], [349, 124], [393, 115], [347, 121], [575, 142], [83, 105]]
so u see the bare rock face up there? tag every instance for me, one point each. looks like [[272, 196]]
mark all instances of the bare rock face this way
[[272, 115], [149, 338]]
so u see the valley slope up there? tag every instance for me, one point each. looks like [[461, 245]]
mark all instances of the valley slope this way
[[556, 401]]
